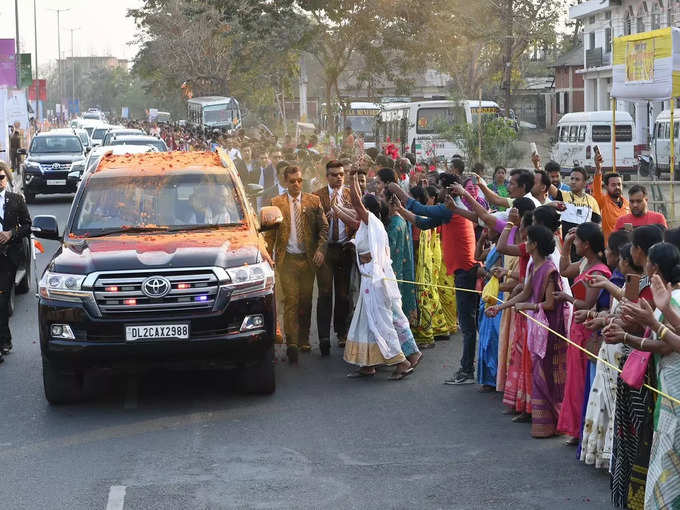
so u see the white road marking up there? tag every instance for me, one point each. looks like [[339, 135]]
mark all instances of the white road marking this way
[[116, 498]]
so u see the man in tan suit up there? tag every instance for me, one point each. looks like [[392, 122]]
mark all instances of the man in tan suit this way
[[298, 247], [336, 270]]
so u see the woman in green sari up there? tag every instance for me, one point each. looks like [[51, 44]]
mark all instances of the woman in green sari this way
[[401, 251]]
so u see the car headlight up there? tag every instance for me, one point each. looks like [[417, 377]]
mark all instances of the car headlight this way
[[32, 164], [78, 166], [62, 287], [255, 277]]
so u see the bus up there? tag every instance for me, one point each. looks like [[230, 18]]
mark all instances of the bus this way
[[361, 116], [214, 112], [412, 127]]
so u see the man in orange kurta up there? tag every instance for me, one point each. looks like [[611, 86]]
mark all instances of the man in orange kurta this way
[[608, 192]]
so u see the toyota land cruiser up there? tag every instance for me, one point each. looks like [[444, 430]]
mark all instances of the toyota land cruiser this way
[[162, 261]]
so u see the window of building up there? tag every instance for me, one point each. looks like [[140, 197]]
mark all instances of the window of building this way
[[591, 20], [640, 25], [608, 40], [608, 15], [591, 37], [627, 25], [656, 16]]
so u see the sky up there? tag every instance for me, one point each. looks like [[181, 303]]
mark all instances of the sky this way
[[103, 27]]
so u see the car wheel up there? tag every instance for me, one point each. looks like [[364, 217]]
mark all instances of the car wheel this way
[[61, 387], [260, 379], [25, 284], [12, 296]]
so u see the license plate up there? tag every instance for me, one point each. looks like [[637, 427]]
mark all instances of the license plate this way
[[56, 182], [156, 331]]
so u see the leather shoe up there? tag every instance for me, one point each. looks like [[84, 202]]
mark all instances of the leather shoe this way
[[325, 347], [292, 354]]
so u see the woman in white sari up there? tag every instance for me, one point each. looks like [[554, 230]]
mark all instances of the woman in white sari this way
[[380, 333]]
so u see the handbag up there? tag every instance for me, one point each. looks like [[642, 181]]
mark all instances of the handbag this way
[[635, 368]]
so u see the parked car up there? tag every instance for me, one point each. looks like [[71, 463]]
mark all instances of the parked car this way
[[577, 133], [141, 279]]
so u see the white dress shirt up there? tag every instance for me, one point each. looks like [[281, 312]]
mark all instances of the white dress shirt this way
[[293, 245], [2, 206], [342, 232]]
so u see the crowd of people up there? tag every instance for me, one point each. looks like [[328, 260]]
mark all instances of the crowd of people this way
[[518, 265], [405, 253]]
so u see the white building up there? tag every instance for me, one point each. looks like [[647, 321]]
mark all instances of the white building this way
[[602, 20]]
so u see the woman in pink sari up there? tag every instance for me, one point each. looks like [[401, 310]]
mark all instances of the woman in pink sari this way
[[547, 351], [588, 240]]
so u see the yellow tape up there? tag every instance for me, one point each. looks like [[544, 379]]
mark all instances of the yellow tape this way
[[559, 335]]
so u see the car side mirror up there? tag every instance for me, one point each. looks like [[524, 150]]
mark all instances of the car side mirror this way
[[45, 227], [270, 217], [254, 190], [21, 152], [87, 150]]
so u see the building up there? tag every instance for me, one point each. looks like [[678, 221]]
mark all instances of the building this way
[[533, 101], [86, 64], [603, 20], [568, 83]]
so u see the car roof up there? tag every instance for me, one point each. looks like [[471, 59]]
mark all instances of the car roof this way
[[601, 116], [161, 163], [54, 132], [137, 137], [122, 149]]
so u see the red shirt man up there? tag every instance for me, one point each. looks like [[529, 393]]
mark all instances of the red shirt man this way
[[639, 214]]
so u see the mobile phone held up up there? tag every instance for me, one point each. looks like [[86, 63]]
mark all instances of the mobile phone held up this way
[[596, 150]]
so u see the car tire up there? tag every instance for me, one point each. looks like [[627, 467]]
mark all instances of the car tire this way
[[260, 379], [61, 387], [25, 284]]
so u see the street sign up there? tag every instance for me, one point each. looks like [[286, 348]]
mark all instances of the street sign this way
[[24, 71]]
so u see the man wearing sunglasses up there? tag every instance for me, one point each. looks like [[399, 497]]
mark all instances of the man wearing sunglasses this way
[[298, 246], [15, 223], [335, 272]]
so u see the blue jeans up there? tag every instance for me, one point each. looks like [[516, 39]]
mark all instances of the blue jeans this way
[[467, 303]]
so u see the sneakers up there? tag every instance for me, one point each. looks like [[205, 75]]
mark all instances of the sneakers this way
[[461, 377]]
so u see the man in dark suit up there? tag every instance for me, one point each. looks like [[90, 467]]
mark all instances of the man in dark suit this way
[[265, 176], [16, 225], [298, 247], [335, 272], [245, 166]]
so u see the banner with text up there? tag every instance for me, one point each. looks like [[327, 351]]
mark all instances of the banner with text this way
[[24, 71], [8, 65], [42, 90], [646, 65]]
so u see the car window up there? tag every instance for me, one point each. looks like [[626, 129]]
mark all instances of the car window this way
[[564, 135], [573, 133], [99, 133], [602, 133], [55, 144], [624, 133], [174, 201], [582, 133]]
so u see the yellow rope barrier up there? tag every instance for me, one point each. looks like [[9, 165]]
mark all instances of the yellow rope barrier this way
[[559, 335]]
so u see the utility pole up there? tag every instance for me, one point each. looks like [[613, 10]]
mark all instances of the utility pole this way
[[16, 19], [73, 68], [508, 55], [35, 32], [61, 78]]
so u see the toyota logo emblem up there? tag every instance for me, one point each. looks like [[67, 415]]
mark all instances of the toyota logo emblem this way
[[56, 166], [156, 287]]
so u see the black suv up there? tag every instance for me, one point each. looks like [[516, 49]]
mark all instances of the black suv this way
[[50, 158], [162, 262]]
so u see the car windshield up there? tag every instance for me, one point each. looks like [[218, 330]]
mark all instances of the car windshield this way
[[91, 115], [217, 113], [83, 138], [92, 162], [121, 132], [431, 120], [361, 124], [99, 133], [155, 142], [165, 202], [55, 144], [89, 130]]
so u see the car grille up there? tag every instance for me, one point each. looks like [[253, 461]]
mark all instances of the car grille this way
[[121, 294], [54, 167]]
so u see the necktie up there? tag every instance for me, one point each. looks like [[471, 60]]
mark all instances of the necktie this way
[[335, 236], [298, 224]]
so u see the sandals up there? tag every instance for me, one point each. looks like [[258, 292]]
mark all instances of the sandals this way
[[416, 362], [358, 374], [398, 376]]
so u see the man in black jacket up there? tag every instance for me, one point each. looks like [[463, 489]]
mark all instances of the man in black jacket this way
[[15, 221]]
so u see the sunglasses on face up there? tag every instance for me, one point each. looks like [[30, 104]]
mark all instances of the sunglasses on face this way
[[2, 177]]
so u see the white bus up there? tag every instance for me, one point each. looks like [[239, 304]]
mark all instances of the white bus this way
[[214, 112], [361, 116], [577, 133], [412, 127], [661, 141]]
